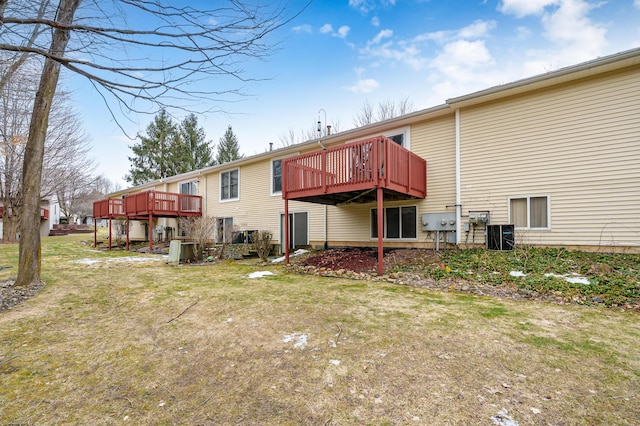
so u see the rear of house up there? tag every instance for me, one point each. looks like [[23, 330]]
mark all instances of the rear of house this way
[[556, 157]]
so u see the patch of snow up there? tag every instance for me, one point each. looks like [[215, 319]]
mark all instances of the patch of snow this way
[[260, 274], [517, 274], [502, 418], [299, 340], [334, 361], [295, 253], [571, 278], [229, 320], [86, 261]]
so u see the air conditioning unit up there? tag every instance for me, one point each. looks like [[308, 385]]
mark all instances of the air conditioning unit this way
[[501, 237]]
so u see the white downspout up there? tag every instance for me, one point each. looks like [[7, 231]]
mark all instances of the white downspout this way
[[458, 196], [204, 194]]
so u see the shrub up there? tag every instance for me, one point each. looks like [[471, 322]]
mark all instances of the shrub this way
[[262, 243]]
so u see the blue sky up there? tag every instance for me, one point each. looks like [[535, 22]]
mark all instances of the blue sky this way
[[338, 55]]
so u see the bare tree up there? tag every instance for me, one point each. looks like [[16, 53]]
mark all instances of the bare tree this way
[[386, 110], [67, 169], [159, 61], [15, 104], [365, 115], [201, 230], [311, 133]]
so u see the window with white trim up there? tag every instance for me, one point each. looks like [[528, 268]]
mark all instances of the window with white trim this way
[[531, 212], [229, 185], [276, 177], [398, 223], [189, 188], [400, 136]]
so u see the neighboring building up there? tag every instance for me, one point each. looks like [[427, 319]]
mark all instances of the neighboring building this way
[[556, 155], [49, 215]]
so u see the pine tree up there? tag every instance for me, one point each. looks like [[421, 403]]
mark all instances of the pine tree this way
[[228, 148], [192, 150], [167, 150]]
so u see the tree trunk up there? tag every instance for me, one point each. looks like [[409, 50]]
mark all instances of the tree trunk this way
[[30, 251]]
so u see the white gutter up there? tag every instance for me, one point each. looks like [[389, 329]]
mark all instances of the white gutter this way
[[458, 196]]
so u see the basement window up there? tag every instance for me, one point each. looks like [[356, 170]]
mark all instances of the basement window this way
[[398, 223], [531, 212]]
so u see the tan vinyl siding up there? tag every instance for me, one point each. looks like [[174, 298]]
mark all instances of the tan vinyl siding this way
[[577, 144], [433, 140], [257, 209]]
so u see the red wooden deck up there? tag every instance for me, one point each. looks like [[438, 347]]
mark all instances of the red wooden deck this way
[[44, 213], [162, 204], [108, 209], [143, 204], [351, 172]]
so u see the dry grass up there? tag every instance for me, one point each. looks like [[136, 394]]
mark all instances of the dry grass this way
[[123, 340]]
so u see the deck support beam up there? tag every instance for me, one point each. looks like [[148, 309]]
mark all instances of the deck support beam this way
[[380, 200], [110, 232], [150, 232], [286, 231]]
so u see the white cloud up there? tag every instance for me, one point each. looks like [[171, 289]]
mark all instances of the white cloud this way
[[478, 29], [366, 6], [460, 60], [636, 4], [342, 32], [326, 28], [375, 21], [523, 33], [570, 26], [521, 8], [381, 36], [359, 71], [304, 28], [364, 86]]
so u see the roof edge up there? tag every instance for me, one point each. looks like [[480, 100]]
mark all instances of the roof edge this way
[[617, 61]]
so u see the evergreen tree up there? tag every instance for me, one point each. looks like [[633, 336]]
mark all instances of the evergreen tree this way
[[168, 150], [228, 148], [192, 150]]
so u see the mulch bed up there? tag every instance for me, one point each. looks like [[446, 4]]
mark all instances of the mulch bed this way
[[11, 295]]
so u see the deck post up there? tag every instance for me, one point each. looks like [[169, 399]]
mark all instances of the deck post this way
[[150, 232], [95, 232], [109, 232], [286, 231], [127, 232], [380, 199]]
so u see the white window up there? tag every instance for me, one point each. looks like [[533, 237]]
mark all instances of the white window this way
[[276, 177], [229, 185], [531, 212], [189, 188], [189, 204], [398, 223], [400, 136]]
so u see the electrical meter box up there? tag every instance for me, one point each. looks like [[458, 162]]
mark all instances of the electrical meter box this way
[[443, 221]]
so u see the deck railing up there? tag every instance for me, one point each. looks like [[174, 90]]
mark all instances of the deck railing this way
[[44, 213], [370, 163], [109, 208], [160, 203]]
